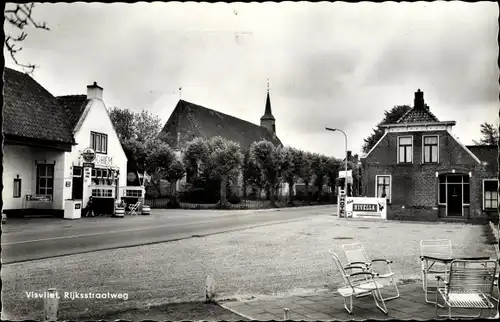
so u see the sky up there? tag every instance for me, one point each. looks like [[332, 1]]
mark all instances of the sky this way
[[329, 64]]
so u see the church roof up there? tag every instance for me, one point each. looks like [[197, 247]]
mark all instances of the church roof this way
[[189, 121], [268, 114]]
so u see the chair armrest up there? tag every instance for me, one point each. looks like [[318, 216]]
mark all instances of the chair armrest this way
[[362, 273], [388, 261], [439, 278]]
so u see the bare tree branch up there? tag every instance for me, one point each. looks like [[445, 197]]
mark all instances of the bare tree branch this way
[[20, 16]]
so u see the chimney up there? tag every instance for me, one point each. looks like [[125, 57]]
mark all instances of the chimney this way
[[419, 99], [94, 91]]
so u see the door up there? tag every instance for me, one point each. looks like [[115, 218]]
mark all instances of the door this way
[[78, 188], [454, 200]]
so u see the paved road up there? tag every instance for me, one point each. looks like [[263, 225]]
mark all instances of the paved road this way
[[30, 239]]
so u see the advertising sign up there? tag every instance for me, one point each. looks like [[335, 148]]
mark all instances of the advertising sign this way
[[103, 160], [341, 203], [88, 155], [364, 207], [43, 198]]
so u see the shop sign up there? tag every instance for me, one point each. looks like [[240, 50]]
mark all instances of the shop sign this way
[[342, 204], [365, 207], [44, 198], [103, 160], [88, 155], [88, 165]]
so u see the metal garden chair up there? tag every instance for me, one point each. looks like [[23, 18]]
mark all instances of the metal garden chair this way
[[133, 208], [468, 285], [437, 248], [356, 255], [358, 284]]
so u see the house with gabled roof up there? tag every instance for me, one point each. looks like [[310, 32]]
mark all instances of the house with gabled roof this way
[[189, 121], [37, 135], [426, 173]]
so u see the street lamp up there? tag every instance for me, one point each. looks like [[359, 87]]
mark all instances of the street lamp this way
[[345, 136]]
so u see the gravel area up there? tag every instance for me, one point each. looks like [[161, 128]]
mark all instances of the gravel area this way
[[277, 260]]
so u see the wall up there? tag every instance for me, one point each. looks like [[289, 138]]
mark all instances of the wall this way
[[97, 119], [22, 160], [415, 185]]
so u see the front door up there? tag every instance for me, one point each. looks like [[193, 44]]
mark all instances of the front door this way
[[454, 200]]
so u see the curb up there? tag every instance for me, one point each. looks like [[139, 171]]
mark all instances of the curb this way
[[233, 311]]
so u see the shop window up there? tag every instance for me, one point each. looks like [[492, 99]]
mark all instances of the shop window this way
[[384, 187], [430, 147], [45, 179], [17, 188], [94, 173], [102, 192], [99, 142], [490, 194], [405, 149], [133, 193]]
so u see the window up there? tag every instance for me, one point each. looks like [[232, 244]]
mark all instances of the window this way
[[94, 173], [133, 193], [384, 187], [17, 188], [430, 147], [102, 192], [405, 153], [490, 194], [99, 142], [45, 179], [77, 171]]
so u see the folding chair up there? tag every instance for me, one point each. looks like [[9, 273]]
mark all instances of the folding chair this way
[[133, 208], [436, 248], [358, 284], [469, 285], [356, 254]]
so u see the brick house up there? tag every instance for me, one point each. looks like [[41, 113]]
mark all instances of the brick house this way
[[426, 173], [189, 121]]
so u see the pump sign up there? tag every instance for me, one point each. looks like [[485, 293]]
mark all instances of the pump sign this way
[[342, 205]]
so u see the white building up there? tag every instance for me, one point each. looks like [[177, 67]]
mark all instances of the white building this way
[[44, 140]]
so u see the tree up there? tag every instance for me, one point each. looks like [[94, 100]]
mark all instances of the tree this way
[[306, 171], [124, 122], [332, 167], [20, 17], [268, 159], [390, 117], [174, 173], [489, 135], [153, 157], [142, 126], [196, 151], [252, 176], [223, 160], [288, 169], [318, 164]]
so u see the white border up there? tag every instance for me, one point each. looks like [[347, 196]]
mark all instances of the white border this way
[[390, 185], [482, 196], [412, 149], [423, 148]]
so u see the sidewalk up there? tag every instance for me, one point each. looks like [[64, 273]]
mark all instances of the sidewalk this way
[[330, 306]]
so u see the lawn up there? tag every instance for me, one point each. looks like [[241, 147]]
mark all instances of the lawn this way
[[275, 260]]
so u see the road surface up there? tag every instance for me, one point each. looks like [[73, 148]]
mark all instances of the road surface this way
[[39, 238]]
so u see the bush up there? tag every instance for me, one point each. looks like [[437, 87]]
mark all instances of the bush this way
[[234, 199]]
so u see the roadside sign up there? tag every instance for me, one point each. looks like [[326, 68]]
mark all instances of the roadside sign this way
[[365, 207]]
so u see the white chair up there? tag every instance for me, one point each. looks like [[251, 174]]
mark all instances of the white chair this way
[[468, 285], [434, 248], [358, 284], [356, 254], [133, 208]]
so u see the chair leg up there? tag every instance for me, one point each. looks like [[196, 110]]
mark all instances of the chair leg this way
[[377, 297], [349, 309], [396, 288]]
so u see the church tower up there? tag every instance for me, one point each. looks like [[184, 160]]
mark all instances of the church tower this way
[[267, 120]]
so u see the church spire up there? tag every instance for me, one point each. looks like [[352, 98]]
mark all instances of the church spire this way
[[267, 120]]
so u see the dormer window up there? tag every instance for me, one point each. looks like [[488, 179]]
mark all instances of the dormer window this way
[[405, 149]]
